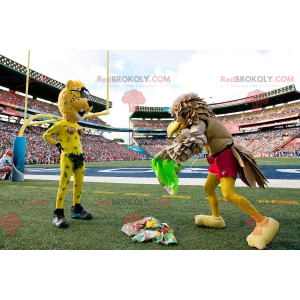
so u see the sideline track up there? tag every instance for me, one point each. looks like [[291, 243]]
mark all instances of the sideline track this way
[[273, 183]]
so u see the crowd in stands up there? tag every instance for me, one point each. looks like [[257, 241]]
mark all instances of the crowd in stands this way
[[151, 145], [282, 111], [286, 153], [11, 97], [41, 106], [149, 124], [289, 150], [99, 148], [264, 143], [45, 107], [260, 143], [52, 108], [95, 147]]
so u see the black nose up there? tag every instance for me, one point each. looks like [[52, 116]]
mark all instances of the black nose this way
[[90, 103]]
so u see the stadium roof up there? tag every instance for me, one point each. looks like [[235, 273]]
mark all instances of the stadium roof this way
[[146, 112], [278, 96], [13, 77], [262, 100]]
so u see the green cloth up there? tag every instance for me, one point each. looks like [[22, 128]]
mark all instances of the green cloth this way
[[77, 159], [166, 173]]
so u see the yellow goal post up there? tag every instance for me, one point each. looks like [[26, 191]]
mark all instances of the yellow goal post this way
[[29, 122]]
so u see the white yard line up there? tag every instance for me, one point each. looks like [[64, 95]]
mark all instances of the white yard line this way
[[273, 183]]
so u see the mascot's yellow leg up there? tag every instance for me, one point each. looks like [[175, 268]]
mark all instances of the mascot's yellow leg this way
[[66, 170], [266, 228], [211, 184], [215, 221], [78, 182], [228, 191]]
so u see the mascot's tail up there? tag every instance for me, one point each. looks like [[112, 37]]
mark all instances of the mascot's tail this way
[[248, 171]]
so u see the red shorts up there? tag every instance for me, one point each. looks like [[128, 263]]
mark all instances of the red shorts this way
[[224, 165]]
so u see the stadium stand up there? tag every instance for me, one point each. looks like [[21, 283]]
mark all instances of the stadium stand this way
[[14, 98], [149, 124], [268, 114], [260, 143], [95, 147], [266, 131], [12, 102], [265, 143], [151, 145], [11, 97]]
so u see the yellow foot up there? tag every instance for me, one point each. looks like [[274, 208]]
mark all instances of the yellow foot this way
[[263, 234], [209, 221]]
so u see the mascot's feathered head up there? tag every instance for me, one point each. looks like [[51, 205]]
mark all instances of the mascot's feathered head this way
[[187, 110], [73, 101]]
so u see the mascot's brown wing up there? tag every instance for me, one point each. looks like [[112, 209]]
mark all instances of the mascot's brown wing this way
[[249, 171]]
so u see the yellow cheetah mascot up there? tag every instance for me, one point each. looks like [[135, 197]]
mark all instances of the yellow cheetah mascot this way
[[73, 104]]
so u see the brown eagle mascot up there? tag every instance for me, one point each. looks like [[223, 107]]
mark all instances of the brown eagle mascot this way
[[196, 128]]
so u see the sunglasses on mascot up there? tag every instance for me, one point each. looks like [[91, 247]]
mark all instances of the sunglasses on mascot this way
[[83, 92]]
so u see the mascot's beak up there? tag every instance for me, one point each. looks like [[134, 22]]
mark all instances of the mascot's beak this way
[[174, 127]]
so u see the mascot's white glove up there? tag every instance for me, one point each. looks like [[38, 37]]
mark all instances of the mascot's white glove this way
[[189, 142]]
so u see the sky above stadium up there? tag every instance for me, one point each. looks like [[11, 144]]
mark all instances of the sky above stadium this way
[[162, 76]]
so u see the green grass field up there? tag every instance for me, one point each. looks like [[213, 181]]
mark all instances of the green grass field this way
[[104, 231], [265, 161]]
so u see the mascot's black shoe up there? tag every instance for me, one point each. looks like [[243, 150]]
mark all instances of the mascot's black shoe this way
[[59, 219], [78, 212]]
